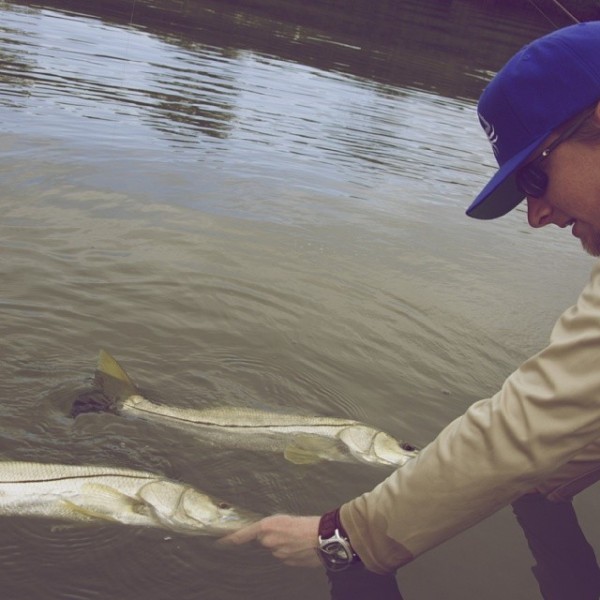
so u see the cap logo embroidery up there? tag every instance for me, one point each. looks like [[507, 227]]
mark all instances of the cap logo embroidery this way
[[491, 134]]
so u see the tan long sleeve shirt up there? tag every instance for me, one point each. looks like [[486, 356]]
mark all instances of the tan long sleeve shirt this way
[[535, 430]]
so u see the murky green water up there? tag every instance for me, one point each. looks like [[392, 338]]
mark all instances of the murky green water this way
[[260, 207]]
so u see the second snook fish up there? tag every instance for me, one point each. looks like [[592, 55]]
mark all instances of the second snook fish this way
[[302, 439], [98, 493]]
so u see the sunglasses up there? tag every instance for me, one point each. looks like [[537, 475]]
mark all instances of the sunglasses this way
[[531, 179]]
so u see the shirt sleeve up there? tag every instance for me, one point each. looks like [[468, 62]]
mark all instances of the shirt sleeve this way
[[545, 413]]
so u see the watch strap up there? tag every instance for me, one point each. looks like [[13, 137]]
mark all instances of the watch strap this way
[[329, 522], [330, 526]]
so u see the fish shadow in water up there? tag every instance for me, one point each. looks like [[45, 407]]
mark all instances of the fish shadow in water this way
[[92, 401]]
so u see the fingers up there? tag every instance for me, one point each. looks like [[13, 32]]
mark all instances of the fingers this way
[[257, 531], [291, 539], [242, 536]]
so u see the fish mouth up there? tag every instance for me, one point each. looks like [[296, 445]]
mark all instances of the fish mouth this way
[[409, 447]]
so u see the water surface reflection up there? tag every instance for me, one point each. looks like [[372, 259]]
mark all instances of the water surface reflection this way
[[255, 206]]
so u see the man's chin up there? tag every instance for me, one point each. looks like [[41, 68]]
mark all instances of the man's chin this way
[[592, 245]]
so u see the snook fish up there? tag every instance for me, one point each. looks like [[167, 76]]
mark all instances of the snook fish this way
[[98, 493], [302, 439]]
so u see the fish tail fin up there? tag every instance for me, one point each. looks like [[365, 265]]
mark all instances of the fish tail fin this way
[[112, 379]]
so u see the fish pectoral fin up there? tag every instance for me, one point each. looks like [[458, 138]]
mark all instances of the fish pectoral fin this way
[[98, 501], [84, 509], [305, 449]]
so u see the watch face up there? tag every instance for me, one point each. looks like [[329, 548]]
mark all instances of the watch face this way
[[337, 554]]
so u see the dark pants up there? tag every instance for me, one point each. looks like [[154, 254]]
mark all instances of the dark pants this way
[[360, 584], [566, 567]]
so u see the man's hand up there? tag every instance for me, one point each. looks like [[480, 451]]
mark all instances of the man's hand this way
[[291, 539]]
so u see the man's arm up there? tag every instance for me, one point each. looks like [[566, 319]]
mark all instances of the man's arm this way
[[544, 415]]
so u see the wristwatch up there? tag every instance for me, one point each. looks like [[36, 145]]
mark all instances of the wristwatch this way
[[335, 550]]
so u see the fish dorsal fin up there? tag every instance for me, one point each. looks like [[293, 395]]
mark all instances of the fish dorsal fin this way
[[112, 379], [306, 448]]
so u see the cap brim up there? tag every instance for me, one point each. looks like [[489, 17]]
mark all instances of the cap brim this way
[[502, 194]]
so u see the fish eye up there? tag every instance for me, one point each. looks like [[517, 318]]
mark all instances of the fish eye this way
[[224, 505]]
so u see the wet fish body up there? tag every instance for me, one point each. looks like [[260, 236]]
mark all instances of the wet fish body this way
[[113, 494], [302, 439]]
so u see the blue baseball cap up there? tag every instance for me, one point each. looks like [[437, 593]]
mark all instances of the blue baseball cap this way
[[545, 84]]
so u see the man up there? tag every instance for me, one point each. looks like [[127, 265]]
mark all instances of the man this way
[[537, 441]]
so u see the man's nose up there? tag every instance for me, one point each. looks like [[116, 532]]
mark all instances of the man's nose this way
[[539, 212]]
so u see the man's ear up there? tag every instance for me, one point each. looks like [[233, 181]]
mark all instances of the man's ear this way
[[597, 113]]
